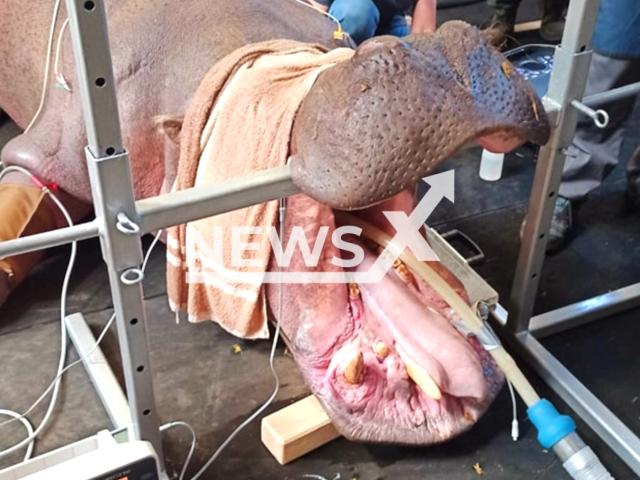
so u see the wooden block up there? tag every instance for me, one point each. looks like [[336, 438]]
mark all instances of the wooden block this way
[[527, 26], [297, 430]]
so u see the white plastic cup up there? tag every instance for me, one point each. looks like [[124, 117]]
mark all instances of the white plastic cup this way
[[491, 166]]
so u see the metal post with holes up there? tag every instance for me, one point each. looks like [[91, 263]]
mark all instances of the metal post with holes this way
[[566, 85], [563, 103], [113, 198]]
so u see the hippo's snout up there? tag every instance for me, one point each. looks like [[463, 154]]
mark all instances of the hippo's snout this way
[[373, 126]]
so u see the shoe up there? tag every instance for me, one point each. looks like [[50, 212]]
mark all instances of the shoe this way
[[553, 20], [632, 195], [562, 224]]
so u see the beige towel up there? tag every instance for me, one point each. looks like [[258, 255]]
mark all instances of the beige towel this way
[[240, 121]]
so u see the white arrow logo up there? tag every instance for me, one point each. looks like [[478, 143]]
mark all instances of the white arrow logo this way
[[408, 229], [407, 235]]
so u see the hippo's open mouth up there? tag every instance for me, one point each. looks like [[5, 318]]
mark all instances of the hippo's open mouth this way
[[383, 358]]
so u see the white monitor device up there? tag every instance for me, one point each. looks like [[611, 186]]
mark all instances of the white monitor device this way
[[96, 458]]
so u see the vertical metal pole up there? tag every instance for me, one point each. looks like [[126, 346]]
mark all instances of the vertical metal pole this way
[[567, 82], [113, 195]]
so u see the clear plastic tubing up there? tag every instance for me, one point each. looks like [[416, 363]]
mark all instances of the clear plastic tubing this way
[[584, 465]]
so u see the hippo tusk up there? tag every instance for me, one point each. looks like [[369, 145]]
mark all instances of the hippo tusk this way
[[420, 376], [353, 368], [505, 362]]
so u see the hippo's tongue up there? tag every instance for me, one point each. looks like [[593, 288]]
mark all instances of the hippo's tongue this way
[[429, 346]]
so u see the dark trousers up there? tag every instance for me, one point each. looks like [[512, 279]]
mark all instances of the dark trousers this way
[[596, 151]]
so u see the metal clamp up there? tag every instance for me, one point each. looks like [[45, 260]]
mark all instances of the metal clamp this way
[[599, 117], [132, 276], [126, 225], [485, 335], [477, 258]]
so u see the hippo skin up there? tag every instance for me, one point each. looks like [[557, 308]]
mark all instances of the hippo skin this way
[[368, 130]]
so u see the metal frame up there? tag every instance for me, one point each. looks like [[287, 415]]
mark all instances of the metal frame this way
[[120, 223], [518, 327]]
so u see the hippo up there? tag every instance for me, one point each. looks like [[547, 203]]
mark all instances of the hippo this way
[[384, 360]]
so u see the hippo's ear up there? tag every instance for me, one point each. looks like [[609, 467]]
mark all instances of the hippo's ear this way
[[171, 126]]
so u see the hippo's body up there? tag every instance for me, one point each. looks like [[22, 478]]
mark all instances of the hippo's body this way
[[160, 50], [383, 359]]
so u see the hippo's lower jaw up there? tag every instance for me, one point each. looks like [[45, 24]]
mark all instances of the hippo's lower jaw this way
[[383, 358]]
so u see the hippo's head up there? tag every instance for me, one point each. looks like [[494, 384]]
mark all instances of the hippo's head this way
[[374, 125], [385, 359]]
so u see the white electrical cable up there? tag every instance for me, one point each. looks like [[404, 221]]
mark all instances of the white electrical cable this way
[[55, 384], [26, 424], [95, 345], [63, 331], [515, 429], [327, 14], [55, 63], [273, 371], [44, 394], [193, 443], [45, 84]]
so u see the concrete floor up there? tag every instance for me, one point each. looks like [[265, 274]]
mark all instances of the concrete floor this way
[[199, 379]]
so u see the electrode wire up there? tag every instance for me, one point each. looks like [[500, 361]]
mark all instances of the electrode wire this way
[[327, 14], [271, 366], [192, 449], [61, 371], [63, 331], [45, 85], [95, 346]]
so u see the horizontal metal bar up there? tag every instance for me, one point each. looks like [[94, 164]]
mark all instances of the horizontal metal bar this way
[[580, 313], [195, 203], [99, 371], [54, 238], [600, 99], [590, 409], [580, 399]]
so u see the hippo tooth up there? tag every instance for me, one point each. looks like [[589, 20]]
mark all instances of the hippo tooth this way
[[381, 349], [353, 368], [397, 263], [420, 376], [354, 291], [404, 273]]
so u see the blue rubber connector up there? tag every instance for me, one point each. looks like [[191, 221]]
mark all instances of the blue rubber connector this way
[[552, 427]]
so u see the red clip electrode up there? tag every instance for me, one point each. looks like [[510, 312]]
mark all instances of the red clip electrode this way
[[51, 186]]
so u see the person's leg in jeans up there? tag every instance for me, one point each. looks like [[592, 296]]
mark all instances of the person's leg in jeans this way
[[359, 18], [396, 26]]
